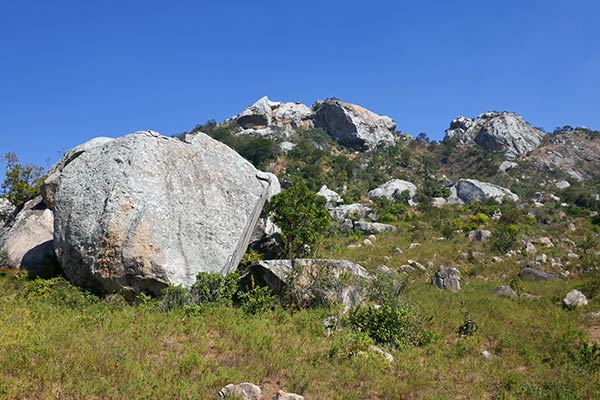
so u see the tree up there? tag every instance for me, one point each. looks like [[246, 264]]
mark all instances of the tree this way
[[302, 216], [22, 182]]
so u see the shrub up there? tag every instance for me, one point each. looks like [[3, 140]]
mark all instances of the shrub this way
[[214, 288], [587, 356], [175, 297], [388, 289], [257, 299], [468, 327], [302, 216], [504, 237], [395, 326], [22, 182]]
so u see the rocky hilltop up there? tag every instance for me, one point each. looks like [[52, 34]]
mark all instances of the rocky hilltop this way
[[503, 132]]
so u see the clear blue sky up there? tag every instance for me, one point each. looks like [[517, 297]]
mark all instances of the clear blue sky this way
[[73, 70]]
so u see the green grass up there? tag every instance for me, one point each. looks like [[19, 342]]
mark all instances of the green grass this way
[[56, 342]]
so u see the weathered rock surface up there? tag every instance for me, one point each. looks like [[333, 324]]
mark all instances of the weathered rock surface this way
[[501, 132], [243, 391], [27, 239], [392, 188], [331, 197], [575, 152], [479, 235], [470, 190], [281, 395], [354, 126], [6, 208], [312, 281], [145, 211], [506, 165], [373, 227], [535, 274], [447, 278], [575, 299], [353, 211]]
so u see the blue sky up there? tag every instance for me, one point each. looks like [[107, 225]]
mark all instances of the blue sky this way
[[73, 70]]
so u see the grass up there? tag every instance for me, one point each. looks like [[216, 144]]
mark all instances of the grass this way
[[57, 342]]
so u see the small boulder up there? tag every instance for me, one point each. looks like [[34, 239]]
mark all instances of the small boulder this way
[[575, 299], [368, 243], [506, 165], [562, 185], [332, 198], [241, 391], [536, 275], [281, 395], [391, 188], [479, 235], [352, 212], [373, 227], [470, 190], [505, 291], [447, 278], [383, 353]]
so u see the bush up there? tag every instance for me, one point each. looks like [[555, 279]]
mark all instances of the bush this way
[[22, 182], [175, 297], [214, 288], [468, 327], [388, 289], [395, 326], [257, 299], [302, 216], [504, 237]]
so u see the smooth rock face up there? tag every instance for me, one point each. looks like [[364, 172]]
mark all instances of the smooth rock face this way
[[447, 278], [390, 188], [145, 211], [575, 299], [306, 278], [354, 126], [501, 132], [243, 391], [27, 239], [470, 190]]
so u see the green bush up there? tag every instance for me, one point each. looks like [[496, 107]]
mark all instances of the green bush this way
[[468, 327], [394, 326], [257, 299], [22, 182], [388, 289], [504, 237], [214, 288], [175, 297]]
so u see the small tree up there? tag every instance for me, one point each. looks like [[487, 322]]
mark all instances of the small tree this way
[[302, 216], [22, 182]]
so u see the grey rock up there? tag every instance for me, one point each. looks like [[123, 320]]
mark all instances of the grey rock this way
[[479, 235], [530, 248], [470, 190], [390, 188], [6, 209], [413, 246], [501, 132], [542, 258], [332, 198], [373, 227], [376, 349], [312, 282], [243, 391], [506, 165], [286, 146], [406, 268], [544, 241], [438, 202], [416, 264], [330, 323], [145, 211], [447, 278], [505, 291], [353, 212], [487, 355], [354, 126], [575, 299], [258, 114], [27, 239], [562, 184], [368, 243], [535, 274], [281, 395], [398, 251]]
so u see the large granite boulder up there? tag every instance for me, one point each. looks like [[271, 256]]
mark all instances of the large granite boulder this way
[[354, 126], [470, 190], [392, 188], [144, 211], [501, 132], [26, 240], [310, 282]]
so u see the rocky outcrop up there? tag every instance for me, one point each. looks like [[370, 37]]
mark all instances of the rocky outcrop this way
[[373, 227], [447, 278], [393, 188], [575, 152], [575, 299], [479, 235], [240, 391], [534, 274], [352, 212], [501, 132], [27, 239], [310, 282], [352, 125], [332, 198], [145, 211], [470, 190]]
